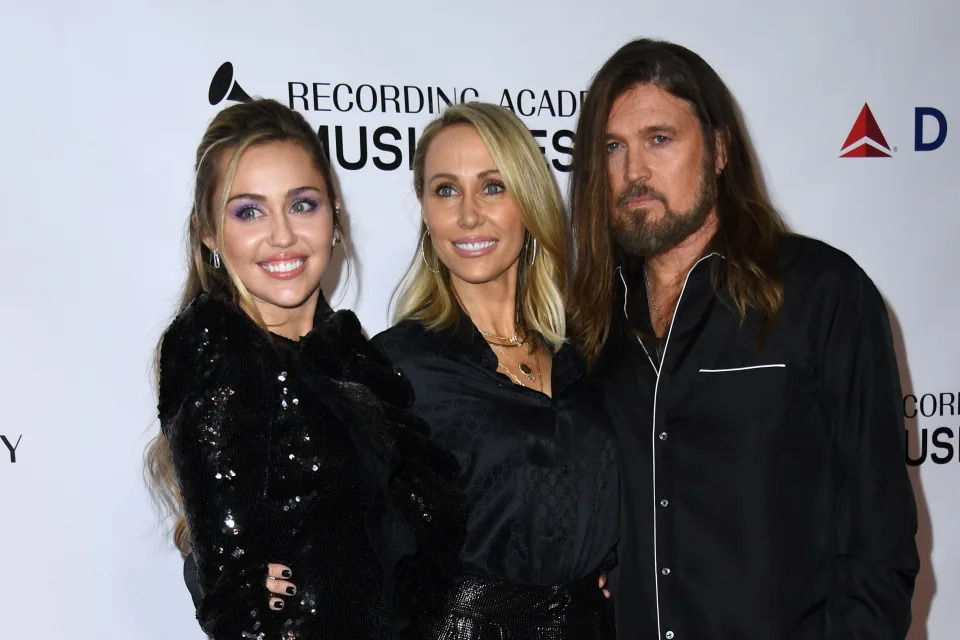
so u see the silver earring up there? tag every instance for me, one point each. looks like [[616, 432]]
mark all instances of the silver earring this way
[[336, 234], [423, 253], [216, 258], [534, 258]]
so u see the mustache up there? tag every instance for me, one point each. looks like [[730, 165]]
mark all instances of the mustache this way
[[637, 189]]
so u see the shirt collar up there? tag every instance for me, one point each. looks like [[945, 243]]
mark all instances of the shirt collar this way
[[469, 343], [632, 290]]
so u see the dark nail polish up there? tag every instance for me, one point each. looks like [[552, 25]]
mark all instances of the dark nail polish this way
[[285, 573], [291, 590], [278, 604]]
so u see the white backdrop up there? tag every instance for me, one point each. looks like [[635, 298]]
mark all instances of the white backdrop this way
[[104, 102]]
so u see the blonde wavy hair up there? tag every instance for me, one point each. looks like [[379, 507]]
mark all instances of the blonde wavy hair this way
[[229, 135], [426, 294]]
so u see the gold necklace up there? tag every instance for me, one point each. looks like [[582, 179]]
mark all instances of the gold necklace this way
[[523, 367], [512, 345], [516, 340]]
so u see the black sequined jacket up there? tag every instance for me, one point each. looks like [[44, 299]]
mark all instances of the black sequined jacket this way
[[301, 452]]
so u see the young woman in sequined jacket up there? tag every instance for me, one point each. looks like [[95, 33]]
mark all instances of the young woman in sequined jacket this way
[[284, 434]]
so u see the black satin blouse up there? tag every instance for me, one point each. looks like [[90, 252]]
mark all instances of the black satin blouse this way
[[539, 473]]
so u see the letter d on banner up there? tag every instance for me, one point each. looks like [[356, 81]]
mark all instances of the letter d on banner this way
[[920, 113]]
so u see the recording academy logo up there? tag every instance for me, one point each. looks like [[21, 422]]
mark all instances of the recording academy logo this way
[[11, 446], [865, 139], [380, 121], [223, 87]]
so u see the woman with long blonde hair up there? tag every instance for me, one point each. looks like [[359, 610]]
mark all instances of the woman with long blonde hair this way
[[481, 333], [283, 431]]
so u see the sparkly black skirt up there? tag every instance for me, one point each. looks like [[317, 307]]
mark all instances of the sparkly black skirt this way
[[488, 609]]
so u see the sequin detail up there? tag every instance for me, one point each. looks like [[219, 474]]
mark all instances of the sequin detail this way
[[269, 469], [482, 607]]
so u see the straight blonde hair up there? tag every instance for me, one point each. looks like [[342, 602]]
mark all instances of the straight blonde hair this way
[[425, 294]]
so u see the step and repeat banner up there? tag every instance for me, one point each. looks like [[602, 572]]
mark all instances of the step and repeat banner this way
[[852, 108]]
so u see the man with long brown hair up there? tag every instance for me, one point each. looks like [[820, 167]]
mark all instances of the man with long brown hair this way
[[750, 371]]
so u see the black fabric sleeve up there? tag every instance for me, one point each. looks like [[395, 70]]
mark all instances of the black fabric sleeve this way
[[873, 499], [417, 517], [208, 397]]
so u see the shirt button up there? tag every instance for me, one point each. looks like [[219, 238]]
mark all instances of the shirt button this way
[[665, 571], [664, 502], [669, 635], [663, 435]]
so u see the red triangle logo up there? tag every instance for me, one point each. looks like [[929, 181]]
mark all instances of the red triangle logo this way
[[865, 127]]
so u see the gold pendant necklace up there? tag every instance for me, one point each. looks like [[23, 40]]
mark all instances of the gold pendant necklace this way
[[523, 367]]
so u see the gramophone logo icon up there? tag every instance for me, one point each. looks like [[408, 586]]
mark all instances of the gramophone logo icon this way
[[224, 87]]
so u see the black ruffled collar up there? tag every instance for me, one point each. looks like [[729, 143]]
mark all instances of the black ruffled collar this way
[[335, 347]]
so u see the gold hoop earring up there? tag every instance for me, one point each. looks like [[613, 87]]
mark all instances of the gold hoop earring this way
[[534, 257], [423, 253]]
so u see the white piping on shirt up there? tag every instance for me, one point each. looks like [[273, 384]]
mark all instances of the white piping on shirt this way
[[626, 292], [758, 366], [653, 433]]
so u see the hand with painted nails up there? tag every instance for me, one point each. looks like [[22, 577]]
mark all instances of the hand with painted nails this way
[[278, 583], [600, 583]]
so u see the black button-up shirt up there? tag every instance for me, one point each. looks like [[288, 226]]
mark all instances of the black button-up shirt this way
[[765, 490]]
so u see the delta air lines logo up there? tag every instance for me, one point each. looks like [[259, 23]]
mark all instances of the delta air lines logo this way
[[865, 139]]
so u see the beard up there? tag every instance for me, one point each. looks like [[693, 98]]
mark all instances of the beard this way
[[637, 236]]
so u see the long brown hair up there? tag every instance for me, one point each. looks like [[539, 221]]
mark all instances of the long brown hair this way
[[749, 225], [232, 131]]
